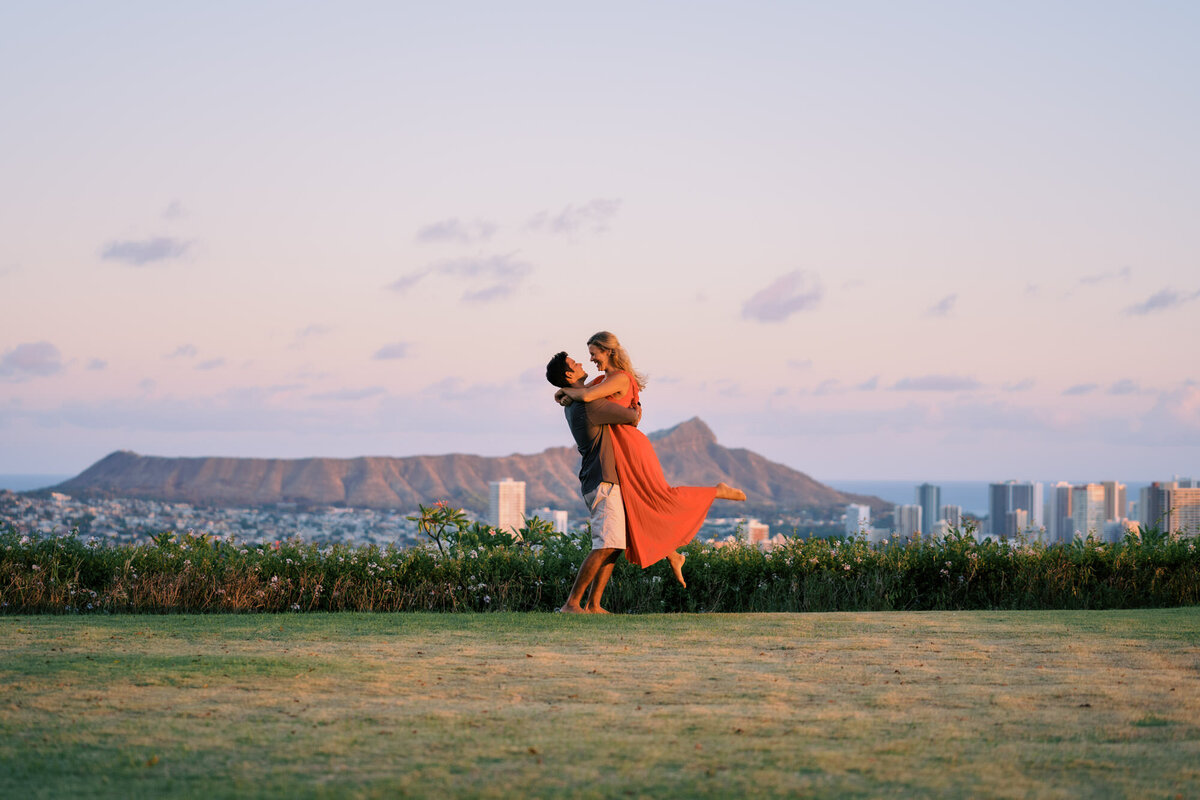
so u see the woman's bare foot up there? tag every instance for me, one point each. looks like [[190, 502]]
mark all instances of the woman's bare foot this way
[[727, 492], [677, 558], [597, 610], [570, 609]]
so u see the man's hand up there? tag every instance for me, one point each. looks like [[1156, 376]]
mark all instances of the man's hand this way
[[562, 399], [638, 408]]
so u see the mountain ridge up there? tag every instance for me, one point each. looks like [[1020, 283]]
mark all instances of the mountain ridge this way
[[689, 452]]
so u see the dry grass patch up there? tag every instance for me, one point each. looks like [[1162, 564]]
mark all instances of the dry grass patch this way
[[948, 703]]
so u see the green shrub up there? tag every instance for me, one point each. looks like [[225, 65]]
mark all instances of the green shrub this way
[[473, 567]]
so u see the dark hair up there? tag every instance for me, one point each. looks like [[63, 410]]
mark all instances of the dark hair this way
[[556, 370]]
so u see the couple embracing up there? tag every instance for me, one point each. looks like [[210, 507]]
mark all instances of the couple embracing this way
[[633, 509]]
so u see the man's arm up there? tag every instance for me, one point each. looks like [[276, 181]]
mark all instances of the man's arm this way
[[606, 412]]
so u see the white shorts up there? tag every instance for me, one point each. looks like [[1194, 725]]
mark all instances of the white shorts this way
[[608, 517]]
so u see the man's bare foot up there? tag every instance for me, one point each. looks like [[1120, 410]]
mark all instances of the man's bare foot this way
[[727, 492], [677, 558], [570, 609], [597, 610]]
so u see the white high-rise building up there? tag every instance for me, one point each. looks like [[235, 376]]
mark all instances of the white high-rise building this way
[[1114, 501], [1060, 525], [506, 508], [1183, 515], [1016, 522], [1004, 498], [1087, 506], [952, 516], [553, 515], [908, 520], [929, 498], [858, 519], [757, 533], [1153, 505]]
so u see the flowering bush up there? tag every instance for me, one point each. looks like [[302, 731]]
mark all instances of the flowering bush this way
[[472, 567]]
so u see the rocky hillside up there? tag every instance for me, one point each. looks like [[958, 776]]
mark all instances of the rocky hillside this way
[[689, 453]]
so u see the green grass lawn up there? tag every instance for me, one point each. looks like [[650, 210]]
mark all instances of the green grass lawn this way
[[1013, 704]]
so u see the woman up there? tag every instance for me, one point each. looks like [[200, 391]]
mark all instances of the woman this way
[[659, 517]]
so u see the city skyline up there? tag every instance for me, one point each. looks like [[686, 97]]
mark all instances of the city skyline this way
[[925, 242]]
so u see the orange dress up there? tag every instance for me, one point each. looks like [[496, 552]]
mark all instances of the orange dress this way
[[658, 517]]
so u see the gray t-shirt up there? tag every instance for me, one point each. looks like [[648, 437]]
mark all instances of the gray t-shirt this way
[[589, 426]]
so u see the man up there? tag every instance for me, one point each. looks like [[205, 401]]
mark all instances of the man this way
[[589, 423]]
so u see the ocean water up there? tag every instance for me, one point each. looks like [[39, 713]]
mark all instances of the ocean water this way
[[971, 495], [25, 483]]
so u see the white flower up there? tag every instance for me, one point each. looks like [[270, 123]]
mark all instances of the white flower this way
[[487, 598]]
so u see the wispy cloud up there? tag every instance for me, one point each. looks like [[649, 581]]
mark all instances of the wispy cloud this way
[[491, 277], [97, 364], [593, 216], [1081, 389], [183, 351], [800, 363], [942, 307], [174, 210], [786, 295], [309, 333], [1161, 301], [456, 231], [409, 280], [1018, 386], [1104, 277], [139, 252], [1174, 419], [211, 363], [348, 395], [869, 385], [29, 360], [937, 383], [391, 351], [1124, 386]]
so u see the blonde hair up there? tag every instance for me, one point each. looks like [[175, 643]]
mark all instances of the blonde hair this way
[[617, 356]]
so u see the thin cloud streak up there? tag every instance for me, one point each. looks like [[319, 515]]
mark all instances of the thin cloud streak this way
[[31, 359], [593, 216], [140, 252], [786, 295], [942, 307], [1104, 277], [1161, 301], [395, 350], [500, 274], [936, 383], [348, 395], [456, 231]]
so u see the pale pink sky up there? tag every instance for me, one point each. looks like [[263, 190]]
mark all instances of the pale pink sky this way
[[873, 240]]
